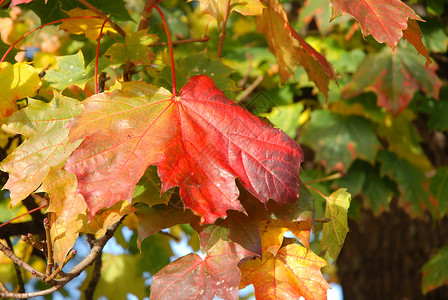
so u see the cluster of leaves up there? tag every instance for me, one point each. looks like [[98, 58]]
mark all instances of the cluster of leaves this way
[[198, 158]]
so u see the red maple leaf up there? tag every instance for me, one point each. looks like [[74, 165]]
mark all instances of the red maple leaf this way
[[191, 277], [201, 141]]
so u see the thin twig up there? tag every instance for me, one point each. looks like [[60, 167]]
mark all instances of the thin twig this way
[[177, 239], [58, 271], [249, 89], [323, 179], [8, 252], [103, 16], [17, 268], [49, 247], [186, 41], [322, 220], [222, 33]]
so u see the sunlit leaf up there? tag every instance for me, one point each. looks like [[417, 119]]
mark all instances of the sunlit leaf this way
[[71, 70], [335, 231], [66, 206], [192, 277], [16, 82], [126, 131], [292, 50], [90, 27], [293, 273], [46, 145]]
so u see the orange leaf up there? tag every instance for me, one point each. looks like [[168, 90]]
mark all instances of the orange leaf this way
[[293, 273], [290, 49], [272, 232], [414, 35], [90, 26], [65, 206]]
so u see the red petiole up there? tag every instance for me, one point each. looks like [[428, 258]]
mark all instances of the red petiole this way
[[170, 45]]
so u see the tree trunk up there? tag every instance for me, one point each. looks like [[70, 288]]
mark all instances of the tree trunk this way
[[383, 255]]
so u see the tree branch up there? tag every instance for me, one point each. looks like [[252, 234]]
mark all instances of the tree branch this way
[[95, 252]]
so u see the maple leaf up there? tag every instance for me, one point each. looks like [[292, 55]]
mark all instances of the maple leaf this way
[[71, 70], [65, 206], [135, 48], [217, 9], [17, 81], [292, 50], [337, 151], [238, 227], [414, 35], [411, 181], [394, 76], [200, 141], [106, 217], [148, 189], [434, 275], [158, 217], [199, 64], [292, 273], [301, 210], [192, 277], [335, 231], [439, 190], [46, 143], [385, 20], [91, 27], [272, 234]]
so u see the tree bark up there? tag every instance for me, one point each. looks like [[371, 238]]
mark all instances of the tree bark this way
[[383, 255]]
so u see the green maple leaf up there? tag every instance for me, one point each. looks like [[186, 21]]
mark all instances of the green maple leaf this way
[[197, 64], [135, 48], [338, 140], [335, 231], [72, 71]]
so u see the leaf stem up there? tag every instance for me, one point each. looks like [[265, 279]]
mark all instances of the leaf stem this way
[[40, 27], [316, 190], [222, 33], [323, 179], [97, 56], [49, 247], [103, 16], [186, 41], [170, 45]]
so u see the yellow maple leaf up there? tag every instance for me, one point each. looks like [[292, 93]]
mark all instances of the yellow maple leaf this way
[[89, 26], [16, 82]]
